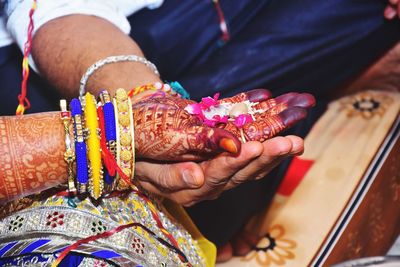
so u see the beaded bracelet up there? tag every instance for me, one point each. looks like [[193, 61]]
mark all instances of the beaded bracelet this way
[[69, 155], [124, 135], [113, 59], [96, 183], [80, 147]]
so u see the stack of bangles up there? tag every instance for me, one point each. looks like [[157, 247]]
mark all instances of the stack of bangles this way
[[99, 139]]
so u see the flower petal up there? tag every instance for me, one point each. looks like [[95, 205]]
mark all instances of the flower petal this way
[[242, 120], [194, 109], [208, 102]]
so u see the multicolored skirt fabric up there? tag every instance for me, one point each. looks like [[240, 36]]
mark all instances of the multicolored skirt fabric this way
[[34, 231]]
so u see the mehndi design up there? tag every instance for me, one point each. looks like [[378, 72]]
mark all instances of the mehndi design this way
[[164, 130], [272, 116]]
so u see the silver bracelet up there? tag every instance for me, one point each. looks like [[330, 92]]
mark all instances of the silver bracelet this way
[[113, 59]]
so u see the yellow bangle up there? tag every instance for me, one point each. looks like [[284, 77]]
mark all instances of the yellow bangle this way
[[96, 182], [124, 129]]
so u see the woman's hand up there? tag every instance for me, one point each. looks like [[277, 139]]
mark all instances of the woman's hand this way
[[165, 130], [272, 116], [392, 10]]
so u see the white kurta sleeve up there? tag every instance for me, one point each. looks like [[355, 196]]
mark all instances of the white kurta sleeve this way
[[17, 14]]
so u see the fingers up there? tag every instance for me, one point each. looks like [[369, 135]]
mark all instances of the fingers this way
[[292, 115], [255, 95], [282, 146], [280, 103], [165, 178], [219, 170], [303, 100], [209, 177], [274, 151], [188, 183], [258, 95], [297, 145], [266, 126]]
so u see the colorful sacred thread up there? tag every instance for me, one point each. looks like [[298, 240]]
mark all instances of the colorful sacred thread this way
[[106, 234], [174, 89], [24, 103]]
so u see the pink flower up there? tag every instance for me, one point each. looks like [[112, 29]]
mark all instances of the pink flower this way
[[212, 113], [242, 119], [206, 104]]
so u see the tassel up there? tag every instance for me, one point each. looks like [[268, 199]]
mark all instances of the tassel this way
[[177, 87]]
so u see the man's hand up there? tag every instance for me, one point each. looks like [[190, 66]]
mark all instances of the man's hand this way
[[188, 183], [392, 10]]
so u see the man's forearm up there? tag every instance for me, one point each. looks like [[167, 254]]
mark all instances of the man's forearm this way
[[31, 158], [65, 47]]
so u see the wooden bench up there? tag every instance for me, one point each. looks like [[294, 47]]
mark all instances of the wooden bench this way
[[347, 205]]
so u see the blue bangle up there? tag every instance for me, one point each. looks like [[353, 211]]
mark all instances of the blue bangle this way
[[109, 121], [110, 130], [82, 175]]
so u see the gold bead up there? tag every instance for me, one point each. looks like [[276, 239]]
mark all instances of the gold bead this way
[[123, 119], [126, 155], [123, 107], [120, 94], [125, 139], [127, 171]]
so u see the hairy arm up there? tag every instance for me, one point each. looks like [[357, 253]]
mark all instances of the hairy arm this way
[[31, 157], [65, 47]]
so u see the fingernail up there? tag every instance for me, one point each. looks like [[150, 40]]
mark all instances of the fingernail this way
[[189, 179], [228, 145]]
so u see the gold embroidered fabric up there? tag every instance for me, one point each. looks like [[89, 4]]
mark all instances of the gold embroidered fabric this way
[[53, 218]]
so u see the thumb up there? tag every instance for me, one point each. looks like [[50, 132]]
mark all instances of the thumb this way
[[160, 178]]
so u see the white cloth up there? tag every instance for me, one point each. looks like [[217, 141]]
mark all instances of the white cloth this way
[[14, 26], [5, 37]]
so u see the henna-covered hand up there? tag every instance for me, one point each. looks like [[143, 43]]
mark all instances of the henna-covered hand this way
[[271, 116], [164, 130]]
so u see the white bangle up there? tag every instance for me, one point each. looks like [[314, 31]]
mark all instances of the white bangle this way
[[113, 59]]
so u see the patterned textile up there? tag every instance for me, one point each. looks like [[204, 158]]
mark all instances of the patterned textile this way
[[37, 228]]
